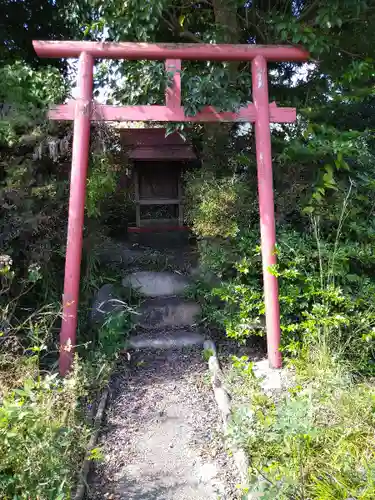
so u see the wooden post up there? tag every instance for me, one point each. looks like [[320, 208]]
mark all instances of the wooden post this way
[[137, 199], [180, 201]]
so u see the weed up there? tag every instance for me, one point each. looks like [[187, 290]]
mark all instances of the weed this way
[[207, 353], [96, 455], [315, 442], [43, 430], [206, 379], [42, 441]]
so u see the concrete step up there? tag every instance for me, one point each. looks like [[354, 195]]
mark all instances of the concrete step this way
[[127, 257], [161, 239], [162, 339], [157, 283], [167, 312]]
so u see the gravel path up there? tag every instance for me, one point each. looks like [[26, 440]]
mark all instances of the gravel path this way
[[162, 435]]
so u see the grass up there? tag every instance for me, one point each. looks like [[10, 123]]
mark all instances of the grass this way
[[315, 442], [42, 438], [44, 428]]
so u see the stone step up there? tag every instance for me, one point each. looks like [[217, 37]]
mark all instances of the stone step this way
[[105, 303], [161, 239], [167, 312], [161, 339], [154, 312], [127, 257], [156, 284]]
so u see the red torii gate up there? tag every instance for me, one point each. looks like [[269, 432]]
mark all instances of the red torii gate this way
[[82, 111]]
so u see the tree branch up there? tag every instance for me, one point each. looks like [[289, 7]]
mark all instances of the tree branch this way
[[169, 24], [257, 29], [306, 12], [190, 36], [175, 28]]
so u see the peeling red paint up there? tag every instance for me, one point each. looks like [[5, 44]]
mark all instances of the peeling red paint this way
[[80, 154], [155, 113], [266, 208], [163, 51]]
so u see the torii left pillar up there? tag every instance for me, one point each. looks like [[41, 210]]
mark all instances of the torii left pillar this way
[[80, 158]]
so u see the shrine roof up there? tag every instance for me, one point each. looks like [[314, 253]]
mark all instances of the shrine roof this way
[[153, 144]]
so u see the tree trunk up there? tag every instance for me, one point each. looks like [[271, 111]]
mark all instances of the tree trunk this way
[[217, 135], [225, 12]]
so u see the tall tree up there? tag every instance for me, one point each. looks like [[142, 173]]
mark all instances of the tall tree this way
[[333, 94], [337, 33], [22, 21]]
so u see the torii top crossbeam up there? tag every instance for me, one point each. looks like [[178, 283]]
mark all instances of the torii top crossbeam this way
[[82, 110], [163, 51]]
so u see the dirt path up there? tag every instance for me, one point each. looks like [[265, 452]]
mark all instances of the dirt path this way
[[162, 435]]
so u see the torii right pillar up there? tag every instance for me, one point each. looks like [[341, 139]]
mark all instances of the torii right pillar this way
[[266, 207]]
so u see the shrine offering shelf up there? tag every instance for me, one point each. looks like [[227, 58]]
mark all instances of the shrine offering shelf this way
[[159, 201]]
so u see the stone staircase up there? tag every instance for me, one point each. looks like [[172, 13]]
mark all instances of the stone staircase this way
[[165, 318]]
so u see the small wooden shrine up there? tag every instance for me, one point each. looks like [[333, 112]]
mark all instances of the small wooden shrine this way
[[158, 163]]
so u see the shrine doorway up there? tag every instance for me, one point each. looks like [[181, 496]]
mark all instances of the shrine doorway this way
[[158, 163], [158, 193]]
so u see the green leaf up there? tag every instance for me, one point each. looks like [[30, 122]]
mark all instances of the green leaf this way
[[308, 210]]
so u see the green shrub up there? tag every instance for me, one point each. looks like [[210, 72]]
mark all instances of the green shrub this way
[[41, 439], [111, 339], [43, 427], [326, 292], [42, 432], [27, 93], [219, 206], [101, 183]]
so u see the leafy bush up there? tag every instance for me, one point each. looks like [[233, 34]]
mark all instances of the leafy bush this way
[[25, 95], [112, 337], [326, 291], [42, 434], [101, 183], [219, 206], [43, 427], [33, 180]]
